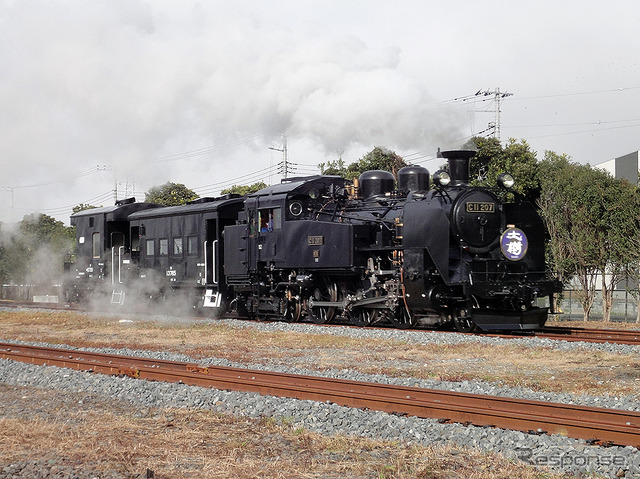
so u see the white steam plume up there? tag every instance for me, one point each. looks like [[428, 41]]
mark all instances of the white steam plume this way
[[124, 82]]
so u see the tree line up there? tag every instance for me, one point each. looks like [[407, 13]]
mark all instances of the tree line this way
[[592, 219]]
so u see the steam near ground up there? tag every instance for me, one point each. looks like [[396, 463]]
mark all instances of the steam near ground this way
[[151, 295]]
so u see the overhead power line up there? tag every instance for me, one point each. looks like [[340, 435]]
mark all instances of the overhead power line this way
[[593, 92]]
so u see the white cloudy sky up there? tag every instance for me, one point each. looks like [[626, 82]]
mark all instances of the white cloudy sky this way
[[97, 92]]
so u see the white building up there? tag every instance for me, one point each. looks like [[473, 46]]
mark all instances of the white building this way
[[625, 166]]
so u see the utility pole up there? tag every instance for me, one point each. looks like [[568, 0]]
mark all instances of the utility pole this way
[[498, 96], [129, 188], [285, 166]]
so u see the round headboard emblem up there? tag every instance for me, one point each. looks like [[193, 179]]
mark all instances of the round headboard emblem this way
[[514, 243]]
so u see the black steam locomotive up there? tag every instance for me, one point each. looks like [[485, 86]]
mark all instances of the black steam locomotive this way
[[322, 248]]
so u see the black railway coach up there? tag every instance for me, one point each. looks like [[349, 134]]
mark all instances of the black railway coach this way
[[180, 248], [102, 247]]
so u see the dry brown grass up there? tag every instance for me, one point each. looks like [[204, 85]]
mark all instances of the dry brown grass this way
[[543, 369], [198, 444]]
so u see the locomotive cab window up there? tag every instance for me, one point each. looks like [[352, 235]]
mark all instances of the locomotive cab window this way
[[135, 238], [270, 219], [150, 247]]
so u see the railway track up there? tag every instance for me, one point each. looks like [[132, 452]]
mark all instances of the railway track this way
[[597, 425], [618, 336], [615, 336]]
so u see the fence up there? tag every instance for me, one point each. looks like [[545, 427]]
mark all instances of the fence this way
[[624, 307], [29, 292]]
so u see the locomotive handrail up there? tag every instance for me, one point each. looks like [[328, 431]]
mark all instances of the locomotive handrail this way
[[214, 255], [120, 260], [205, 262], [113, 267], [120, 264]]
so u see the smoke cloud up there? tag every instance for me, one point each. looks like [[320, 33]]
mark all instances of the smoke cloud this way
[[126, 82]]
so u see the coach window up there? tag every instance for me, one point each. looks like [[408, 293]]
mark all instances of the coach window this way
[[164, 247], [177, 246], [270, 219], [192, 245], [150, 247], [95, 242]]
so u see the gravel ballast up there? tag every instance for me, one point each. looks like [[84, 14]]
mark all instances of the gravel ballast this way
[[559, 453]]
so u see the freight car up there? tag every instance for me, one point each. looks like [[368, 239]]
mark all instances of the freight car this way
[[319, 248]]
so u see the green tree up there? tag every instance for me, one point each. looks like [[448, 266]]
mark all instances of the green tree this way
[[620, 247], [592, 222], [334, 167], [632, 232], [244, 189], [515, 158], [170, 194], [83, 206], [555, 177], [377, 159], [35, 252], [570, 206], [488, 150]]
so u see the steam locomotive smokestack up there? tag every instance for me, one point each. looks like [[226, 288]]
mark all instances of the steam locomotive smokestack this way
[[459, 165]]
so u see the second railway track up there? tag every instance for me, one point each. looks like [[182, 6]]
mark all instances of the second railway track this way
[[597, 425], [588, 335]]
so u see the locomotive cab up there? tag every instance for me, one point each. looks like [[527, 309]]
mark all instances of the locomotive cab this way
[[288, 231]]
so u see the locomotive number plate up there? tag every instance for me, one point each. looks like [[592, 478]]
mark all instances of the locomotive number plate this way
[[315, 240], [480, 207]]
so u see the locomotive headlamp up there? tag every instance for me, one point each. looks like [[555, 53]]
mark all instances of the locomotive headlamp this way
[[441, 178], [505, 180]]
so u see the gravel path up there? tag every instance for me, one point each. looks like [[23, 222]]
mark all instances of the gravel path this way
[[561, 453]]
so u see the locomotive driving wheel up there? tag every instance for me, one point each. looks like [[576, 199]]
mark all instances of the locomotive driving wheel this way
[[323, 314], [463, 322], [401, 317], [291, 309], [363, 316], [290, 306]]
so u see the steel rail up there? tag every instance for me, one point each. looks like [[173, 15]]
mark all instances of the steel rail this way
[[614, 336], [597, 425], [618, 336]]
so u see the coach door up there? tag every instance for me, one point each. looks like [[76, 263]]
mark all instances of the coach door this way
[[212, 266], [117, 268]]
